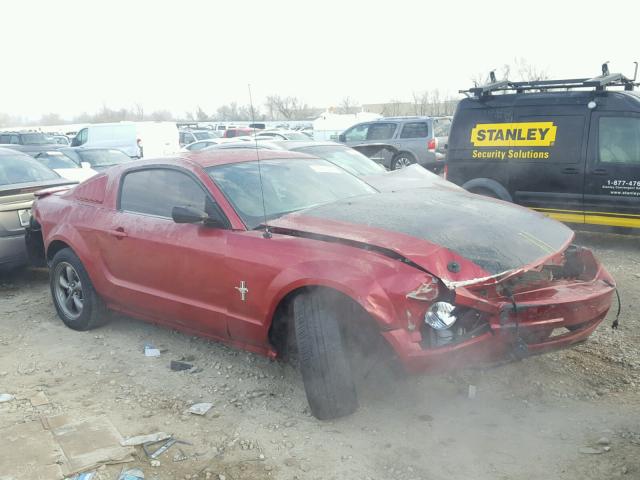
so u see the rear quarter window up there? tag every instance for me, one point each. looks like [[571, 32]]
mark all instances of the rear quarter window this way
[[415, 130]]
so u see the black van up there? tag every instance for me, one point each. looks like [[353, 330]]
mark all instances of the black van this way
[[568, 148]]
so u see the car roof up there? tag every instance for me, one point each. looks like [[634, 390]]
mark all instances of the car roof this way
[[11, 151], [210, 158]]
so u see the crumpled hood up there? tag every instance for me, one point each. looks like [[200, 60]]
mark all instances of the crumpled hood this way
[[460, 237]]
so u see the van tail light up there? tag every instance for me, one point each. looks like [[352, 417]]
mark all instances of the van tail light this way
[[432, 145]]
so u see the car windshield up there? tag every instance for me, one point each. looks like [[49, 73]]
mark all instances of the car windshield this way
[[23, 169], [202, 135], [34, 139], [103, 158], [56, 160], [288, 184], [347, 158]]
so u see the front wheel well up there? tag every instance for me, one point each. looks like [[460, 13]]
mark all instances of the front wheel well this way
[[55, 247], [281, 331]]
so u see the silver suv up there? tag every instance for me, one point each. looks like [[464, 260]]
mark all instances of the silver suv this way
[[397, 142]]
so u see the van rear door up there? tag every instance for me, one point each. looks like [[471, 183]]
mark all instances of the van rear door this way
[[612, 183], [547, 168]]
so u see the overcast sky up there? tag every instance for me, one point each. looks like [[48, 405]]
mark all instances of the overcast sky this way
[[70, 57]]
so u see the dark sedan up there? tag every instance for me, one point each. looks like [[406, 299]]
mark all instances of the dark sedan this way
[[20, 177]]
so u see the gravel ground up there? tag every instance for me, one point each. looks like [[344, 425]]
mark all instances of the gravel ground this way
[[535, 419]]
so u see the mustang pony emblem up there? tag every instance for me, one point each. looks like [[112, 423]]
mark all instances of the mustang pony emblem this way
[[243, 290]]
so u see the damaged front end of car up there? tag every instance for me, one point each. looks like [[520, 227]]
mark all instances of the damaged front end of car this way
[[531, 310]]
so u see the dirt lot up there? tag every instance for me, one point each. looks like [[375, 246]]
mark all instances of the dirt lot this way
[[540, 418]]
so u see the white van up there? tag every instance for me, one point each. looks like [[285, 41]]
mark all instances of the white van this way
[[136, 139]]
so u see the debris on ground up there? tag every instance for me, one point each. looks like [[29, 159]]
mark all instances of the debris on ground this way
[[151, 351], [200, 408], [591, 450], [141, 439], [84, 476], [5, 397], [131, 474], [29, 447], [178, 366], [39, 399], [87, 443]]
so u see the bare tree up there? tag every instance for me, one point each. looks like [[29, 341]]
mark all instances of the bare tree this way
[[51, 119], [287, 108], [138, 111], [392, 108], [161, 116], [348, 105], [519, 71], [420, 103], [201, 115]]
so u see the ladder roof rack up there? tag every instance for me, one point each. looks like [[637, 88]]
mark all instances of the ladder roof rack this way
[[599, 83]]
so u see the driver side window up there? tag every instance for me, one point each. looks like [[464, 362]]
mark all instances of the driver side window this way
[[357, 133], [156, 191]]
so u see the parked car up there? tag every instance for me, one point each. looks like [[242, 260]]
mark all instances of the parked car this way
[[27, 142], [188, 137], [287, 248], [571, 151], [411, 177], [283, 135], [238, 132], [20, 177], [199, 145], [397, 142], [136, 139], [61, 140], [98, 159], [204, 144], [65, 166]]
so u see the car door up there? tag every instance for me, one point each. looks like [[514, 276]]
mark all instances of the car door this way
[[173, 273], [612, 183], [546, 173], [376, 142]]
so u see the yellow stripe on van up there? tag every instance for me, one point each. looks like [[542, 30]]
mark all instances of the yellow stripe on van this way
[[608, 219]]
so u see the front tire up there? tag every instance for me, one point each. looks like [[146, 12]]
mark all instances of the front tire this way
[[76, 301], [325, 367]]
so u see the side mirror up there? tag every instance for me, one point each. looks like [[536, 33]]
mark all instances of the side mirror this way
[[195, 215], [342, 138], [85, 165]]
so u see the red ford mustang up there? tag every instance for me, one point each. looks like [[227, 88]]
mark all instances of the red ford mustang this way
[[439, 277]]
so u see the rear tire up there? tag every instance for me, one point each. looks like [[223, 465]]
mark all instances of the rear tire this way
[[402, 160], [325, 367], [76, 301]]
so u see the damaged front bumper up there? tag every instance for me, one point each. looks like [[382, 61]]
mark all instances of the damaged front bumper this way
[[516, 318]]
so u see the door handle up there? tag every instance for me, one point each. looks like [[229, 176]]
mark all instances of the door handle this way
[[600, 171], [119, 233], [570, 171]]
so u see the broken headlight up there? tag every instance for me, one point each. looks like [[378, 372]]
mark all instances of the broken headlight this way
[[440, 316]]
